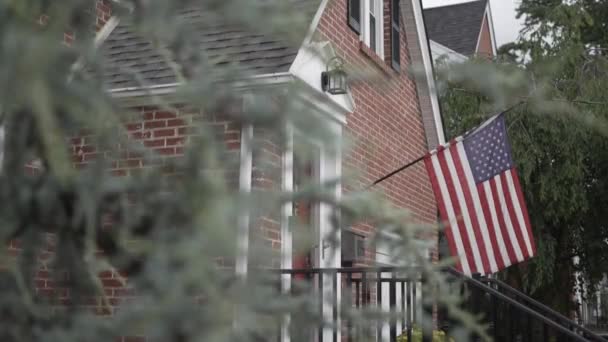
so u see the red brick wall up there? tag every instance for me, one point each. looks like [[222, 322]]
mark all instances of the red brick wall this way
[[386, 124], [485, 40], [103, 12], [166, 133], [266, 177]]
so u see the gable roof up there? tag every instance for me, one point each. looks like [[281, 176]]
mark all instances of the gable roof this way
[[128, 54], [456, 26]]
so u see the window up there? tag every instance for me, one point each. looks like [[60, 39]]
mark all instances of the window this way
[[354, 15], [372, 27], [372, 8], [370, 24], [395, 35]]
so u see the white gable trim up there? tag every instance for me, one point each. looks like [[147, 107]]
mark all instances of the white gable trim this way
[[105, 31], [491, 26], [487, 17], [307, 67], [315, 22]]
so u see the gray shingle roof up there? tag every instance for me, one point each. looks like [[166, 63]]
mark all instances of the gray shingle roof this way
[[128, 54], [457, 26]]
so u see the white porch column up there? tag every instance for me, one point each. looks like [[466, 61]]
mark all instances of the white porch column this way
[[286, 233], [245, 173], [329, 255]]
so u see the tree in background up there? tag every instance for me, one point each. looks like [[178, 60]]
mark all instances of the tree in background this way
[[553, 82], [161, 234]]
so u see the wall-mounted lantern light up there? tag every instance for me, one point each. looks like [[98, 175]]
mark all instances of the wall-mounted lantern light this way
[[333, 79]]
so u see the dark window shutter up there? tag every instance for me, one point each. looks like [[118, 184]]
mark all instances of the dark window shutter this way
[[395, 35], [354, 15]]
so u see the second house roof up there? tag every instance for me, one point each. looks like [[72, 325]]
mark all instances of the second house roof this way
[[456, 26]]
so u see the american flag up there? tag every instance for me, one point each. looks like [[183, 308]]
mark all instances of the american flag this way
[[480, 200]]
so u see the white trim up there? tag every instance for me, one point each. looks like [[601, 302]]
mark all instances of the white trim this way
[[307, 67], [286, 233], [2, 143], [315, 22], [439, 50], [428, 68], [483, 20], [329, 108], [491, 26], [100, 37], [245, 175], [287, 209], [330, 169], [105, 31], [487, 18], [144, 91], [170, 88], [256, 81], [365, 25]]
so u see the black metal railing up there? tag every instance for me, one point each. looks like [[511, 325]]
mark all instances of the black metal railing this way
[[518, 319], [541, 309], [509, 315]]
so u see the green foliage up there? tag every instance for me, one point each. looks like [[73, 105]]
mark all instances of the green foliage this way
[[552, 24], [165, 233], [557, 125]]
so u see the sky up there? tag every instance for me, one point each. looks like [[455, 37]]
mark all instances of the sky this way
[[506, 26]]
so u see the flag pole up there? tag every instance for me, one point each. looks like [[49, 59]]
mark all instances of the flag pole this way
[[397, 171], [416, 161]]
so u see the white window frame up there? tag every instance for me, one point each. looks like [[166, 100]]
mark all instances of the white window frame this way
[[366, 10]]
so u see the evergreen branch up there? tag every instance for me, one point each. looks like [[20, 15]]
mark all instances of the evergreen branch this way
[[526, 98]]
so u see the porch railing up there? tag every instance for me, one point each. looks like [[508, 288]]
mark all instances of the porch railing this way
[[397, 291], [542, 309], [510, 315]]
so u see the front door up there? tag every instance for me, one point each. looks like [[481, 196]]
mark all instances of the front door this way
[[303, 233]]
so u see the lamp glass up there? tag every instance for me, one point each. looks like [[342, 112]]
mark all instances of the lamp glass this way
[[337, 82], [334, 79]]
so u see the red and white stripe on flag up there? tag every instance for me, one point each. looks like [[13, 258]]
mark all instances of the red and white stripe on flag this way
[[480, 201]]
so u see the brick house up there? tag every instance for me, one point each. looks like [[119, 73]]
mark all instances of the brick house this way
[[390, 125], [461, 30]]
